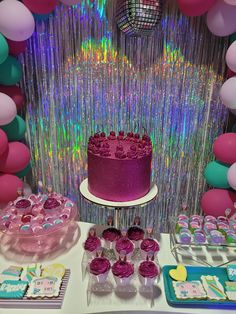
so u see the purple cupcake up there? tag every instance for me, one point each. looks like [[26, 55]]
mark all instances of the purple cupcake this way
[[136, 234], [124, 245], [110, 235], [99, 268], [149, 245], [122, 271], [148, 272], [91, 245]]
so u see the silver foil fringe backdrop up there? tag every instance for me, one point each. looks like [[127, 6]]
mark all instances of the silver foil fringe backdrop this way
[[81, 75]]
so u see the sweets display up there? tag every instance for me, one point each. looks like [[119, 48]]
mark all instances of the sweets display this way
[[119, 167]]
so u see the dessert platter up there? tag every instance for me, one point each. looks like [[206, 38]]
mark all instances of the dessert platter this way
[[121, 261]]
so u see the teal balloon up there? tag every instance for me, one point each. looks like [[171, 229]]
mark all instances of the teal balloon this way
[[15, 130], [10, 71], [4, 49], [234, 128], [232, 38], [24, 172], [216, 174]]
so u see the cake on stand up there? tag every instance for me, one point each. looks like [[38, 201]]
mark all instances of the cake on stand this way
[[118, 206]]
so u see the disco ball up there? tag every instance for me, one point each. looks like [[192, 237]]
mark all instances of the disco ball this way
[[138, 17]]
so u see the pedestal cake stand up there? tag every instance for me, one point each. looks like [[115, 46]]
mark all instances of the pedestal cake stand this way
[[118, 206]]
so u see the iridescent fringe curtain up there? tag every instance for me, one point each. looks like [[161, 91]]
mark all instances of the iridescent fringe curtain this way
[[82, 75]]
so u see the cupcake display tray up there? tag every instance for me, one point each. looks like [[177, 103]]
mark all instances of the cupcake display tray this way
[[194, 273]]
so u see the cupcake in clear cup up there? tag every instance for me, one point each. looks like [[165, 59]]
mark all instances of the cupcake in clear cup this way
[[110, 236], [92, 244], [123, 244], [122, 270], [148, 271], [99, 267], [136, 234], [149, 245]]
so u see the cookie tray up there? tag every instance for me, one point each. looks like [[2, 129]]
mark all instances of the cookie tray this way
[[195, 273]]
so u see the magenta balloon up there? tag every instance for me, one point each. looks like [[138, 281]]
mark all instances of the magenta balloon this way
[[214, 202], [70, 2], [228, 93], [16, 21], [231, 56], [8, 187], [224, 148], [221, 19], [15, 159], [231, 176], [3, 142], [7, 109], [195, 7]]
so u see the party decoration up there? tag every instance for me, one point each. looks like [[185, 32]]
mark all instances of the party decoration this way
[[227, 93], [9, 184], [216, 174], [15, 93], [7, 109], [69, 2], [214, 202], [16, 47], [232, 176], [221, 19], [15, 159], [231, 57], [40, 6], [4, 50], [195, 7], [3, 142], [224, 148], [16, 21], [24, 172], [10, 69], [138, 17], [15, 130]]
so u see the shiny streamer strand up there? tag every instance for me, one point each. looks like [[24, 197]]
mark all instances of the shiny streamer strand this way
[[81, 75]]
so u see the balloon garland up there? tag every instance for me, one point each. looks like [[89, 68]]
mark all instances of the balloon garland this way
[[15, 156]]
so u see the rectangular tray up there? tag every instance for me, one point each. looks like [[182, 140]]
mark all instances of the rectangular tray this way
[[195, 273]]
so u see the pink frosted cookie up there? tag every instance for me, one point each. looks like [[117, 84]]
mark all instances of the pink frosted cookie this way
[[41, 287], [189, 290]]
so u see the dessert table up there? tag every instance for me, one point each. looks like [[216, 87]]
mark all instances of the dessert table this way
[[75, 301]]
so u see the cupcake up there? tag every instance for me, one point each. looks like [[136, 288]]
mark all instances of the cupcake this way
[[122, 271], [99, 268], [125, 245], [148, 272], [110, 235], [149, 245], [136, 234], [91, 245]]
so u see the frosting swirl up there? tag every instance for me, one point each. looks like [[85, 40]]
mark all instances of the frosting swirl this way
[[148, 245], [23, 203], [148, 269], [124, 244], [99, 265], [111, 234], [122, 269], [51, 203], [135, 233], [92, 243]]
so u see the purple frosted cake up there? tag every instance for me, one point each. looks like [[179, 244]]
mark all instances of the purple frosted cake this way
[[119, 167]]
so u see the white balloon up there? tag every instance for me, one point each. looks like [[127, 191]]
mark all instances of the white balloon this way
[[7, 108], [228, 93], [231, 57]]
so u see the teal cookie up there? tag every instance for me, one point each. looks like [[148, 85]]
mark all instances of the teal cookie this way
[[13, 289], [231, 272]]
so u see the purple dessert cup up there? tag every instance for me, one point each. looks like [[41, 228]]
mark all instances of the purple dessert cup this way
[[123, 272], [99, 268], [148, 272]]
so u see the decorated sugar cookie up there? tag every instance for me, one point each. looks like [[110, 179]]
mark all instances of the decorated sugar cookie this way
[[231, 290], [231, 272], [54, 270], [213, 288], [11, 273], [31, 271], [178, 274], [189, 290], [41, 287], [13, 289]]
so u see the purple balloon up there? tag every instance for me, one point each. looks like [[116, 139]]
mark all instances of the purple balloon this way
[[227, 93], [231, 176], [221, 19], [231, 57]]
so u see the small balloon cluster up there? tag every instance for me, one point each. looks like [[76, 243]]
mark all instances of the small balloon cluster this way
[[221, 174]]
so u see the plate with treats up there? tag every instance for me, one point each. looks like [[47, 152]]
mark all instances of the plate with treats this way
[[203, 287]]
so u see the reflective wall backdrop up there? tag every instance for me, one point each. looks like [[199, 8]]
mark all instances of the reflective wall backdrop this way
[[82, 75]]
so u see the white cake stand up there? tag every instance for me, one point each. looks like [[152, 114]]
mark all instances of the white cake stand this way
[[118, 206]]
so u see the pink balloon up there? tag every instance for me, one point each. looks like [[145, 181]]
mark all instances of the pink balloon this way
[[3, 142], [7, 109], [16, 21], [221, 19], [195, 7], [224, 148], [15, 159], [231, 56], [214, 202], [231, 176], [231, 2], [228, 93], [8, 187], [70, 2], [40, 6]]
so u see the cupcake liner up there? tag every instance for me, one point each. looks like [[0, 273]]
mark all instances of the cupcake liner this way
[[100, 278], [123, 281], [147, 281]]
